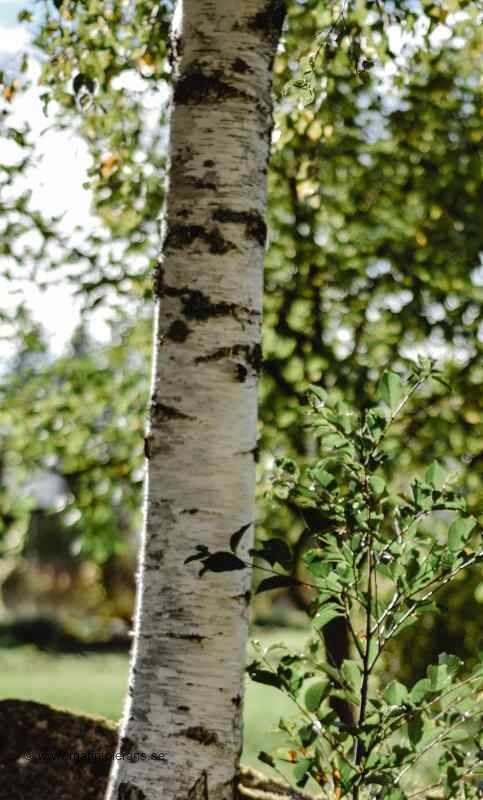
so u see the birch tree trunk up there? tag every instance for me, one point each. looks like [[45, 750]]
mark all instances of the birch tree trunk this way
[[186, 682]]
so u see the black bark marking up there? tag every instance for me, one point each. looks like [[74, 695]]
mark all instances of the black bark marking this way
[[187, 637], [216, 355], [196, 86], [241, 373], [241, 66], [190, 511], [200, 734], [183, 709], [156, 555], [126, 746], [208, 163], [147, 447], [244, 598], [179, 236], [160, 411], [255, 226], [196, 304], [178, 331], [127, 791], [252, 354], [202, 184], [183, 212], [236, 700]]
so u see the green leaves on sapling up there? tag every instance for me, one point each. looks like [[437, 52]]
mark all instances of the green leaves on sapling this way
[[390, 389], [435, 475], [376, 564], [396, 694], [459, 533], [327, 613], [314, 694]]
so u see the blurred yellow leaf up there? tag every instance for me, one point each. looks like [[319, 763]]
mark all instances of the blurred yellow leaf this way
[[109, 164]]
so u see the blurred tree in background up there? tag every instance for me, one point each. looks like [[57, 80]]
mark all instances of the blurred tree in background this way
[[374, 257]]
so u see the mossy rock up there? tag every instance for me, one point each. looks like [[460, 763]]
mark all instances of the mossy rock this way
[[49, 753]]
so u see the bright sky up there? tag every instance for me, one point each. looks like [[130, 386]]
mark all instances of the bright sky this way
[[56, 184]]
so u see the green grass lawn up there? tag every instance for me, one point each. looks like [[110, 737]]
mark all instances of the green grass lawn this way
[[96, 684]]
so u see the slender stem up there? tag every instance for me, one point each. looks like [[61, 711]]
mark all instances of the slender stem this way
[[353, 632], [366, 666]]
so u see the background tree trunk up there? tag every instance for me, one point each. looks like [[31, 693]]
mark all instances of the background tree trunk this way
[[186, 683]]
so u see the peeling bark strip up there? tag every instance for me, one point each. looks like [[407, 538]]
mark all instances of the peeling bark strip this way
[[186, 682]]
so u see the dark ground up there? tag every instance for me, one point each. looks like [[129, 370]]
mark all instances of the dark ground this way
[[46, 753]]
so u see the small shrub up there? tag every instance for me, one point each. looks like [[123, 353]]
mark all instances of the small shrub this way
[[378, 565]]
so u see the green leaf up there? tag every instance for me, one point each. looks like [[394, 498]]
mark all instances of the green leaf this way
[[396, 694], [327, 613], [438, 677], [323, 477], [352, 673], [391, 389], [314, 694], [300, 771], [459, 532], [452, 663], [307, 734], [415, 729], [420, 690], [377, 485], [435, 475]]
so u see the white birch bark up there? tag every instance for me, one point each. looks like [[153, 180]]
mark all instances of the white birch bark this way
[[186, 682]]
